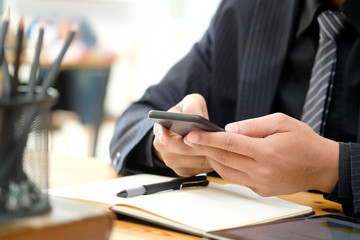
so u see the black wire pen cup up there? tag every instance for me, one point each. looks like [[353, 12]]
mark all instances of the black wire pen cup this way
[[24, 154]]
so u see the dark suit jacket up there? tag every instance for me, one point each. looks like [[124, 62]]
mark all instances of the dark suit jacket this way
[[236, 66]]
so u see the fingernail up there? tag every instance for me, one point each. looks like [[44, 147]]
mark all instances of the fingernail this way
[[160, 137], [231, 127], [188, 143], [192, 137]]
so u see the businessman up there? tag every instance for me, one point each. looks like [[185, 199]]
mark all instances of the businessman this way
[[283, 77]]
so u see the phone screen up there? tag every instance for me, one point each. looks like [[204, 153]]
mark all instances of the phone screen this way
[[182, 123]]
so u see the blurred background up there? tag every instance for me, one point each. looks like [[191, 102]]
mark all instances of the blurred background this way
[[123, 46]]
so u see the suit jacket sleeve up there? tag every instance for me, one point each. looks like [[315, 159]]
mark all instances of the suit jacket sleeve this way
[[355, 176], [347, 191], [133, 129]]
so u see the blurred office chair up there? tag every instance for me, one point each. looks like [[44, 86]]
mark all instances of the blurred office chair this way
[[83, 78]]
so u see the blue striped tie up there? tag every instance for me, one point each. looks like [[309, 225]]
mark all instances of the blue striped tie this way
[[318, 96]]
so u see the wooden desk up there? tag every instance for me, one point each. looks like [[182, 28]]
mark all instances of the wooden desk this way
[[64, 171]]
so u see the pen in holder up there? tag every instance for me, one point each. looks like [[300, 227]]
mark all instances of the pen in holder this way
[[24, 148]]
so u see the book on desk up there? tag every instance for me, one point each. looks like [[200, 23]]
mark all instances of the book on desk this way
[[68, 219], [194, 211]]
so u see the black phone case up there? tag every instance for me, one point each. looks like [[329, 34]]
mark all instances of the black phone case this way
[[182, 123]]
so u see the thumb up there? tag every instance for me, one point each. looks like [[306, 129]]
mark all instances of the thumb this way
[[192, 104], [260, 127]]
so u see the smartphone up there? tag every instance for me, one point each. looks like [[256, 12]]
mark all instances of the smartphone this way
[[182, 123], [331, 226]]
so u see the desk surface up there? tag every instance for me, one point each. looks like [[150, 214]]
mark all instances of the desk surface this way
[[64, 171]]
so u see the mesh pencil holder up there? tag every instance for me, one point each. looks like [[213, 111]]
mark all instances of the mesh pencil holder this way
[[24, 150]]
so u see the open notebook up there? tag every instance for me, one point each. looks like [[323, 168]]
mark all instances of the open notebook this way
[[194, 211]]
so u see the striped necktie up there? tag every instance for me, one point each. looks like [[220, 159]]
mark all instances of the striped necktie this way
[[318, 96]]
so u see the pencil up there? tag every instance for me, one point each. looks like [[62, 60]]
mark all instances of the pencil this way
[[6, 79], [35, 65], [19, 41], [51, 74], [3, 30], [3, 63]]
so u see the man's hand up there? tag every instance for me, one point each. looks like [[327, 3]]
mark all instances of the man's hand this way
[[170, 147], [272, 155]]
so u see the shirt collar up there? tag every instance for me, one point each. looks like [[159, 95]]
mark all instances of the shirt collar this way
[[307, 14]]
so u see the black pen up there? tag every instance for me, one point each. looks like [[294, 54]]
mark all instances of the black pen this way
[[51, 74], [33, 81], [3, 30], [195, 181], [6, 89], [18, 50]]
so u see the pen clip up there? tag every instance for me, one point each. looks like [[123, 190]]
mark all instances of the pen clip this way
[[195, 183]]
